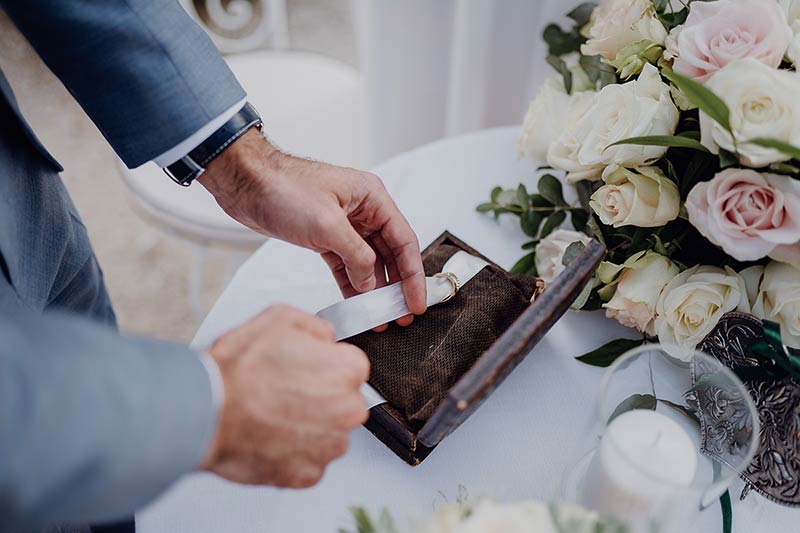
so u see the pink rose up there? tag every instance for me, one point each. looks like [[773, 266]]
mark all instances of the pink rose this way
[[716, 33], [746, 213]]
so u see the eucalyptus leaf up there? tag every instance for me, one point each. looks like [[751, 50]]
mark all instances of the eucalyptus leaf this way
[[672, 141], [609, 352], [601, 74], [671, 20], [485, 208], [579, 219], [597, 232], [363, 521], [635, 401], [525, 264], [583, 13], [550, 188], [530, 245], [522, 196], [585, 189], [785, 148], [698, 94], [530, 221], [560, 42], [561, 67], [552, 222], [495, 194], [573, 250]]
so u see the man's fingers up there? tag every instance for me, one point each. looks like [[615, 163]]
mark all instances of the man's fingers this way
[[402, 241], [339, 272], [317, 327], [358, 257]]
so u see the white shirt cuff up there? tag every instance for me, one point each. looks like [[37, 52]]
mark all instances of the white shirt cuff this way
[[215, 380], [183, 148]]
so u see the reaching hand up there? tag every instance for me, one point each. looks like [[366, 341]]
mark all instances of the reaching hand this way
[[344, 214], [291, 398]]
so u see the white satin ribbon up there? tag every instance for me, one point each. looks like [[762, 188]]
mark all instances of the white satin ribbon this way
[[371, 309]]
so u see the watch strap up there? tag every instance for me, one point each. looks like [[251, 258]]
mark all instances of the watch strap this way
[[186, 169]]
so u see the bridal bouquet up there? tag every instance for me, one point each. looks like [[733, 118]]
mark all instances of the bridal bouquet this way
[[486, 515], [675, 125]]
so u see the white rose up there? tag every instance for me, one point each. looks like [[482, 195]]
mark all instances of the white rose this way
[[642, 197], [792, 8], [693, 302], [779, 300], [616, 24], [545, 120], [638, 108], [562, 153], [550, 252], [763, 102], [638, 283]]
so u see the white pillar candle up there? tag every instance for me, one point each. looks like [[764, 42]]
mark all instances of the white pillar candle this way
[[645, 459]]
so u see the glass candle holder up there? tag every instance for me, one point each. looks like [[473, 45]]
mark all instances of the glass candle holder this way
[[674, 428]]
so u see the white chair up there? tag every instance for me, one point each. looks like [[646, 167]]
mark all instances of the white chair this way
[[311, 105]]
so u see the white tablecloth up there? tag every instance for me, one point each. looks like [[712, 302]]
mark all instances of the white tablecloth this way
[[517, 445]]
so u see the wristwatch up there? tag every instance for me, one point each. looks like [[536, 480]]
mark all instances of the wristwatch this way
[[186, 169]]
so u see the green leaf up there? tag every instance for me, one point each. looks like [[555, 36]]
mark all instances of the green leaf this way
[[526, 264], [671, 20], [522, 196], [560, 42], [585, 189], [661, 5], [597, 232], [598, 72], [785, 148], [672, 141], [727, 159], [529, 221], [573, 250], [363, 521], [561, 67], [386, 523], [552, 222], [583, 13], [579, 220], [485, 208], [530, 245], [635, 401], [550, 188], [495, 194], [537, 200], [698, 94], [609, 352]]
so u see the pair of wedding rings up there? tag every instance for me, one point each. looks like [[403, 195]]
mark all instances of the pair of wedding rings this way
[[455, 284]]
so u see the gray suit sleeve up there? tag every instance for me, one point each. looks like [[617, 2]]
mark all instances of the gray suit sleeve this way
[[93, 425], [143, 70]]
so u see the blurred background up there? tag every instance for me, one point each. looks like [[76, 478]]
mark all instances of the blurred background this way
[[352, 82]]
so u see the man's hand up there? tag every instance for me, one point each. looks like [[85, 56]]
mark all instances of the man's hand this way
[[344, 214], [291, 398]]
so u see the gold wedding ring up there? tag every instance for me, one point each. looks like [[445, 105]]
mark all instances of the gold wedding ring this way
[[454, 283]]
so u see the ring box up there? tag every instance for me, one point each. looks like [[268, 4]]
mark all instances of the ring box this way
[[413, 440]]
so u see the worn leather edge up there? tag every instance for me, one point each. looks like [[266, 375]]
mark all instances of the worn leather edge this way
[[512, 347]]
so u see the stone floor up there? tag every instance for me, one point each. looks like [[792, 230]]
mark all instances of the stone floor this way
[[146, 270]]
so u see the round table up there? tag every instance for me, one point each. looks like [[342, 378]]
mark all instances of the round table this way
[[517, 445]]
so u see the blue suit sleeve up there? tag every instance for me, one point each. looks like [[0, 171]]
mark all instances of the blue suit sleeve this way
[[93, 425], [143, 70]]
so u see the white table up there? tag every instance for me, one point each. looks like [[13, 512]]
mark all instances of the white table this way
[[516, 446]]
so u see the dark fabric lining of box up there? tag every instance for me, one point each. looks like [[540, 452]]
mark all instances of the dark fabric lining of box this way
[[414, 367]]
